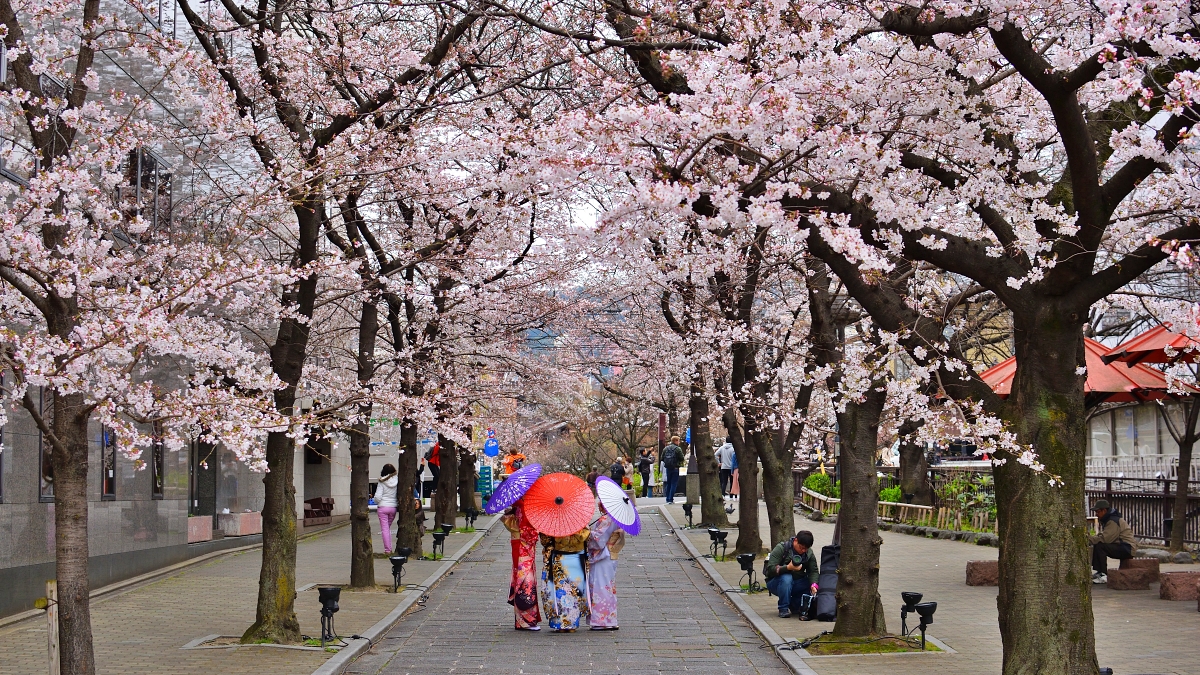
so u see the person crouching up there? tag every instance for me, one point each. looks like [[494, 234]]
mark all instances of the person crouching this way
[[792, 572]]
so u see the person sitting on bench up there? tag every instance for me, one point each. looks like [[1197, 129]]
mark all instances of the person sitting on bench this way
[[1114, 541], [791, 572]]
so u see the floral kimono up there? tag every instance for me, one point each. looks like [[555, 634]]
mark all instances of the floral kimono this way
[[522, 588], [564, 582], [605, 542]]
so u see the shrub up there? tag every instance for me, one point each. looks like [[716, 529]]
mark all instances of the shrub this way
[[823, 484], [891, 494]]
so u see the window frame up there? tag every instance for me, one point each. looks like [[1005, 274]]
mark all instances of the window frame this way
[[108, 446]]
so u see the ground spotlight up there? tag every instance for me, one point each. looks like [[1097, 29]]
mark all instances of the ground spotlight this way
[[472, 514], [746, 562], [910, 605], [439, 540], [447, 528], [687, 511], [398, 571], [328, 595], [405, 551], [717, 538], [925, 610]]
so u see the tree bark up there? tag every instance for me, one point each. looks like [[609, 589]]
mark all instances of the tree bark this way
[[749, 538], [70, 425], [712, 506], [362, 554], [1045, 598], [408, 534], [466, 480], [777, 486], [1179, 509], [860, 610], [447, 484], [914, 468]]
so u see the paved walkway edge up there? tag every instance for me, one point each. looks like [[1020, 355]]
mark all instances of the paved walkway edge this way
[[339, 661], [785, 653]]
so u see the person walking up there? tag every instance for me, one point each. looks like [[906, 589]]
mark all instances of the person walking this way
[[385, 500], [725, 456], [522, 587], [604, 542], [672, 459], [644, 468]]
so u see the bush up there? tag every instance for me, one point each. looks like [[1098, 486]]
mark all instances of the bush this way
[[891, 494], [822, 483]]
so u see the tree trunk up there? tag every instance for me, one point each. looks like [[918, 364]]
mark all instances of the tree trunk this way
[[70, 425], [749, 540], [712, 506], [362, 554], [860, 610], [447, 484], [1179, 510], [778, 493], [466, 480], [275, 619], [408, 534], [1045, 597], [914, 468]]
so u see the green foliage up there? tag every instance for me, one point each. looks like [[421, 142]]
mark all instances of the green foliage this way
[[823, 484], [969, 495], [891, 494]]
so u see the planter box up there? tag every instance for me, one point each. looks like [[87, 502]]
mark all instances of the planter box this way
[[240, 524], [199, 528]]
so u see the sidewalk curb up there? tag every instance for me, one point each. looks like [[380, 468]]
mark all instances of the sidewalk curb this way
[[789, 656], [338, 662]]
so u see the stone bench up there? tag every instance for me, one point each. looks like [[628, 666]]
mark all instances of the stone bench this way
[[1142, 563], [1179, 586], [983, 573], [1131, 578]]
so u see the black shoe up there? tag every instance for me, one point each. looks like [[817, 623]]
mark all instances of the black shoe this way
[[785, 613]]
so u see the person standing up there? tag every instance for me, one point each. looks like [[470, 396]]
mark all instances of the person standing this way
[[385, 500], [604, 542], [564, 581], [725, 463], [672, 459], [522, 588], [644, 465]]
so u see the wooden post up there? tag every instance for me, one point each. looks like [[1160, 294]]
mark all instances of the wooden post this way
[[52, 625]]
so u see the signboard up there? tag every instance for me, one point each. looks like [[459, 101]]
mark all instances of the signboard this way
[[483, 484]]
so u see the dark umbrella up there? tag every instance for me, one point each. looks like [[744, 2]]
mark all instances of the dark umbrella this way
[[513, 488]]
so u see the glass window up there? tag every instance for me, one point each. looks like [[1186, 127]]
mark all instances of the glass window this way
[[157, 461], [1147, 426], [1100, 436], [1174, 412], [1125, 431], [46, 467], [108, 464]]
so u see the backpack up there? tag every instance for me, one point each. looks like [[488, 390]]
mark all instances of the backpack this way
[[616, 472], [672, 457]]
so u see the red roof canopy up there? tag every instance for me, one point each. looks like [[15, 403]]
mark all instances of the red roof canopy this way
[[1105, 382], [1151, 347]]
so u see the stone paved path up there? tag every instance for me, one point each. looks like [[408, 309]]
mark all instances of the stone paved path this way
[[1135, 631], [672, 621], [141, 629]]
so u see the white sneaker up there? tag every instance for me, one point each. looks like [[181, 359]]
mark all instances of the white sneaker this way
[[1098, 578]]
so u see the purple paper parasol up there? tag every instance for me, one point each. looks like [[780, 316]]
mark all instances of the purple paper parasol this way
[[618, 504], [513, 488]]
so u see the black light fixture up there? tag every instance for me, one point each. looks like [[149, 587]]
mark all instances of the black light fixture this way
[[910, 605], [405, 551], [439, 540], [447, 528], [472, 514], [925, 610], [746, 561], [712, 541], [398, 571], [329, 596], [687, 511]]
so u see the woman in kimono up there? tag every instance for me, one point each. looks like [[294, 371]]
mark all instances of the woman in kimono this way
[[564, 582], [603, 544], [522, 588]]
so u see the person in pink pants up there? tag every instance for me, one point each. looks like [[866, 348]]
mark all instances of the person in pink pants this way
[[385, 499]]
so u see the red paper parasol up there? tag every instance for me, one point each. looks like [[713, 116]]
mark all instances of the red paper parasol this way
[[559, 504]]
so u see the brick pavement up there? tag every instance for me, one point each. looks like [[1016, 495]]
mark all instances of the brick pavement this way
[[1135, 631], [672, 620], [141, 629]]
